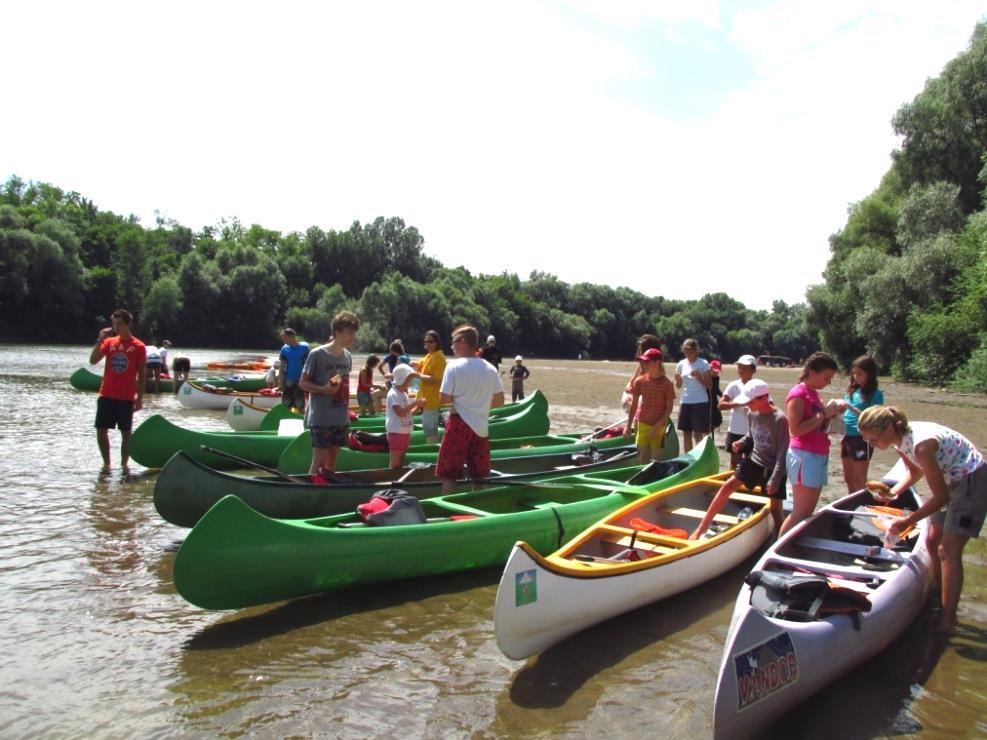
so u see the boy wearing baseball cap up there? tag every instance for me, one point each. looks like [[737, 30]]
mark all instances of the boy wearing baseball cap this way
[[762, 454], [656, 395]]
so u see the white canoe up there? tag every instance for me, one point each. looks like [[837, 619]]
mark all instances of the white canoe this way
[[194, 396], [773, 663], [244, 416], [542, 600]]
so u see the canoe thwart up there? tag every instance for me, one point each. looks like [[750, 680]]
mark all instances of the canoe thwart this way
[[697, 514], [849, 548]]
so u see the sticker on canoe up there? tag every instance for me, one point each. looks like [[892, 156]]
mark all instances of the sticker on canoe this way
[[525, 587], [765, 669], [238, 411], [187, 390]]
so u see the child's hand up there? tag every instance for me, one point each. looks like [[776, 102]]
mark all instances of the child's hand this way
[[627, 432], [336, 379], [737, 447]]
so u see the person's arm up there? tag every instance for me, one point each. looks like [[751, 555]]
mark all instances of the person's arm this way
[[141, 384], [281, 371], [630, 414], [781, 452], [97, 352], [678, 377], [706, 378], [726, 401], [497, 399], [925, 453], [527, 374], [445, 399], [797, 426], [309, 386], [658, 428]]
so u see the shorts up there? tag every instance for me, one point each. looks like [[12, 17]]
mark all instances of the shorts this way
[[753, 474], [114, 412], [462, 446], [807, 468], [430, 423], [294, 396], [332, 436], [398, 442], [364, 398], [181, 365], [967, 504], [154, 365], [731, 438], [856, 448], [694, 417], [643, 436]]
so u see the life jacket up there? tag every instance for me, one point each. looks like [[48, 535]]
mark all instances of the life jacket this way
[[366, 442], [804, 597], [391, 506]]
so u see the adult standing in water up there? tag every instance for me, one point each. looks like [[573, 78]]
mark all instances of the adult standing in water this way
[[293, 356], [957, 476], [122, 391], [808, 446], [693, 374]]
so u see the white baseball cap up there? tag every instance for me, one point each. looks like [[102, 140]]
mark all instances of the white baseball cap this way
[[755, 388], [747, 360], [491, 339], [401, 373], [518, 358]]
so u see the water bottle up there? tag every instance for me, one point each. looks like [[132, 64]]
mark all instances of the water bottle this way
[[745, 513]]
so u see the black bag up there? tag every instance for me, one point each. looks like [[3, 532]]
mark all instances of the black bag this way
[[402, 508], [366, 442]]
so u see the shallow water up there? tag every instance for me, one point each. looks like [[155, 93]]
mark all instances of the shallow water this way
[[96, 641]]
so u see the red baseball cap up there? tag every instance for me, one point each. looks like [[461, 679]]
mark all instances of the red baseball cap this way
[[651, 355]]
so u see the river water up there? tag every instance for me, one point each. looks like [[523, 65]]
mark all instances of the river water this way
[[96, 642]]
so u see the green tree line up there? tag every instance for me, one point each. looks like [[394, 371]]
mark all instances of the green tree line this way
[[907, 276], [67, 264]]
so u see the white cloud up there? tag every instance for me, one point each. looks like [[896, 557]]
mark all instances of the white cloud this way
[[506, 134]]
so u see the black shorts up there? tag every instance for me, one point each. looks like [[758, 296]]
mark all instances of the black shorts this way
[[333, 436], [731, 438], [856, 448], [181, 365], [694, 417], [752, 475], [112, 412], [293, 395]]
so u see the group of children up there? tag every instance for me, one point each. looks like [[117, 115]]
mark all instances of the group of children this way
[[770, 447]]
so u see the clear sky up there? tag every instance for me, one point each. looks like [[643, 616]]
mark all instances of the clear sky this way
[[678, 148]]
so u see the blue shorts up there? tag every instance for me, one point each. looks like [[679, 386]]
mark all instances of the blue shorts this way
[[807, 468], [364, 398]]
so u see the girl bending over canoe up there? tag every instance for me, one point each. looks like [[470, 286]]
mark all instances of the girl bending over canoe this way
[[957, 477]]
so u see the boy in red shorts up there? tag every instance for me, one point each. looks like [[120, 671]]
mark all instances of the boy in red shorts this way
[[122, 391], [472, 385]]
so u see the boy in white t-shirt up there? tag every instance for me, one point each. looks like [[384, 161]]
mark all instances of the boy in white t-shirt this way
[[397, 423], [738, 427]]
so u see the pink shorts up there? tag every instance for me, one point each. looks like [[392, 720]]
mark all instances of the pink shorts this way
[[398, 442]]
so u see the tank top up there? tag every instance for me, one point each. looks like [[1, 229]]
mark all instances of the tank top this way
[[815, 441], [957, 456]]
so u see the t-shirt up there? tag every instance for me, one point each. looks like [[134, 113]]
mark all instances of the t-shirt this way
[[518, 372], [857, 400], [325, 410], [816, 440], [434, 365], [738, 416], [393, 422], [123, 363], [693, 391], [657, 395], [769, 433], [491, 353], [391, 360], [957, 456], [152, 356], [472, 383], [293, 361], [163, 353]]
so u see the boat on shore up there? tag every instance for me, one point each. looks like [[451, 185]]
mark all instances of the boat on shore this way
[[635, 556], [186, 489], [193, 395], [85, 379], [822, 600], [235, 557]]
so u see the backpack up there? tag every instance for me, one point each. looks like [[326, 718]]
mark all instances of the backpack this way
[[804, 597], [391, 506]]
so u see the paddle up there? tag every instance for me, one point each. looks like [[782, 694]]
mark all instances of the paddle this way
[[251, 464], [598, 432]]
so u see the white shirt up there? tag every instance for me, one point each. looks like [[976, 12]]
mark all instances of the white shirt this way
[[693, 390], [163, 352], [472, 383], [738, 416], [393, 422]]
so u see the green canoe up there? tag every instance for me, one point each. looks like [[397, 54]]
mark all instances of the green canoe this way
[[297, 456], [85, 379], [157, 439], [235, 557], [186, 489], [372, 424], [529, 422]]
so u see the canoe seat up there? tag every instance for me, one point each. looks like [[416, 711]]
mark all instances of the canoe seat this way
[[849, 548], [748, 498], [542, 504], [657, 539], [640, 544], [697, 514]]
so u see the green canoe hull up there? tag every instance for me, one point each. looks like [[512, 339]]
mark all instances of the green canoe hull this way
[[235, 557], [85, 379], [186, 489], [375, 424], [157, 439], [530, 422]]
